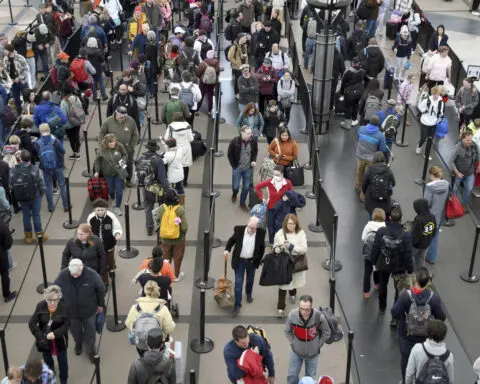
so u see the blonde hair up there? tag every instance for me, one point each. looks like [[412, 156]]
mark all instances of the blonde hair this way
[[378, 214], [85, 228], [14, 139], [44, 128], [435, 91], [14, 373], [151, 289], [436, 171]]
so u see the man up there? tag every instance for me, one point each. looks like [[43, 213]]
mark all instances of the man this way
[[241, 341], [28, 186], [235, 27], [99, 32], [189, 58], [248, 15], [247, 88], [278, 58], [369, 141], [374, 6], [154, 365], [84, 292], [463, 161], [392, 112], [17, 68], [124, 99], [266, 38], [357, 41], [51, 153], [203, 44], [43, 44], [424, 227], [391, 253], [242, 155], [154, 274], [174, 105], [249, 246], [36, 372], [47, 112], [125, 129], [62, 70], [422, 297], [6, 242], [152, 176], [154, 16], [306, 331], [372, 58]]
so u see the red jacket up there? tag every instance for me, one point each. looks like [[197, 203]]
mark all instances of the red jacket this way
[[274, 195], [251, 363]]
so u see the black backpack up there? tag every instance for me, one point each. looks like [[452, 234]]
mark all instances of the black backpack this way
[[389, 253], [380, 187], [206, 46], [434, 370], [229, 32], [24, 186], [145, 169]]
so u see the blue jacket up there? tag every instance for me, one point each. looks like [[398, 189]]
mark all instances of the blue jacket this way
[[382, 115], [283, 208], [3, 93], [232, 352], [139, 42], [47, 376], [99, 32], [44, 109], [402, 306], [57, 144], [369, 141]]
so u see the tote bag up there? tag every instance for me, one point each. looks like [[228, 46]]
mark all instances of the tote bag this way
[[453, 208]]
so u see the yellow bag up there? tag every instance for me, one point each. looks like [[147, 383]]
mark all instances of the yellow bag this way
[[168, 228]]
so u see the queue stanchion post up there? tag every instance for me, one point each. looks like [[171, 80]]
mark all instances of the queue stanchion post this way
[[428, 149], [202, 344], [70, 223], [447, 222], [402, 142], [206, 282], [138, 205], [469, 276], [193, 379], [12, 22], [316, 176], [41, 288], [210, 176], [316, 227], [99, 108], [221, 120], [120, 53], [128, 252], [111, 79], [114, 325], [389, 82], [28, 5], [149, 127], [98, 377], [349, 356], [218, 153], [157, 116], [216, 242], [4, 350], [311, 133], [87, 172]]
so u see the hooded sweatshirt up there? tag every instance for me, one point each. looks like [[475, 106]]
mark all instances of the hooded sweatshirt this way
[[157, 364], [436, 193], [424, 225], [369, 141], [367, 239]]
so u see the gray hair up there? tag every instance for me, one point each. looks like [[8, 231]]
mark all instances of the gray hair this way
[[46, 95], [51, 291], [92, 42], [151, 35], [92, 19]]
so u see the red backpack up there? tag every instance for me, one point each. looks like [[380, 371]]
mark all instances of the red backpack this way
[[78, 70], [205, 23]]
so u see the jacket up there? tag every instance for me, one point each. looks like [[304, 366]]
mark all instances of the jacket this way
[[271, 122], [266, 80], [405, 262], [432, 111], [248, 89], [92, 254], [99, 32], [403, 47], [464, 159], [47, 376], [370, 227], [153, 14], [373, 60], [401, 308], [215, 63], [152, 363], [251, 363], [20, 65], [235, 55], [283, 208], [232, 352], [82, 295], [356, 42], [183, 109], [105, 228], [350, 77], [235, 147], [38, 325], [37, 175], [375, 7], [436, 193], [173, 159], [107, 160], [236, 242], [57, 145], [126, 132], [434, 43], [180, 211], [285, 89], [6, 242], [288, 149], [160, 173], [44, 109], [236, 29], [273, 195], [307, 336], [248, 15], [424, 225], [265, 40], [182, 133], [128, 101], [418, 358], [280, 59], [370, 203], [96, 58], [255, 122], [369, 141], [467, 98], [338, 64]]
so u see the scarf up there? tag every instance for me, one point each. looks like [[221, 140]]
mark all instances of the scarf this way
[[139, 20]]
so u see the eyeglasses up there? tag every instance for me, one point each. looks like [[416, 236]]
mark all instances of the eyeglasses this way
[[305, 309], [52, 301]]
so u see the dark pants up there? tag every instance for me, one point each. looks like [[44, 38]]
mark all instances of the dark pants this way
[[333, 90], [414, 36], [17, 89], [286, 112], [475, 5], [406, 346], [83, 332], [244, 267], [259, 61], [236, 74], [351, 110], [424, 132], [208, 91], [185, 175], [74, 138], [464, 119], [282, 295], [62, 364], [383, 278], [433, 83], [149, 200], [367, 276], [5, 282], [270, 225], [262, 100], [129, 165]]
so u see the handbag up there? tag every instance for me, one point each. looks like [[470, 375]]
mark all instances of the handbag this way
[[295, 173], [453, 208], [286, 102], [121, 168], [277, 269], [142, 102], [441, 130], [300, 261]]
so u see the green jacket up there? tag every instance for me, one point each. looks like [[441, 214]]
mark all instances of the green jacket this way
[[106, 160], [180, 211], [126, 132]]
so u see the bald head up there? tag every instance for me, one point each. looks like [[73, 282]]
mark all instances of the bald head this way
[[252, 224]]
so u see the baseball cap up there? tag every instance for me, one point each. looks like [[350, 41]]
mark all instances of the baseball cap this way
[[121, 110], [179, 30]]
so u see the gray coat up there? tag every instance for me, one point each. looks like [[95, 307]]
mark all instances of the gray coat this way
[[468, 98], [436, 193], [152, 362], [463, 159], [126, 132]]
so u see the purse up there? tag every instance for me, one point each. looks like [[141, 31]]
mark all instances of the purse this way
[[300, 261], [295, 173], [286, 102], [121, 168], [453, 208]]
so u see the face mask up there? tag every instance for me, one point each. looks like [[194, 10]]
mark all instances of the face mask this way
[[277, 179]]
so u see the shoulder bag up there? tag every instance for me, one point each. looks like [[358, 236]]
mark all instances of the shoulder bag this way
[[301, 261], [120, 167]]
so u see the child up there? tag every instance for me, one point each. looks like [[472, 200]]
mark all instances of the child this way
[[368, 235], [406, 94], [424, 227], [14, 376], [166, 270], [403, 50]]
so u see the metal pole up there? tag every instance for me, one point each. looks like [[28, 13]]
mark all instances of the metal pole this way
[[4, 350], [87, 172], [390, 83], [70, 224], [349, 356], [98, 378], [11, 14], [316, 227], [316, 176], [210, 176], [157, 117], [138, 205], [128, 252], [331, 280], [120, 52], [431, 132], [205, 282], [311, 132], [402, 143], [202, 344], [149, 127], [41, 288], [469, 277], [116, 325], [217, 130], [99, 111], [193, 379], [216, 241], [28, 5]]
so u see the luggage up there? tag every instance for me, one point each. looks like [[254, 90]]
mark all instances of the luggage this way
[[97, 188], [392, 29], [223, 291], [295, 173], [339, 104], [336, 333], [198, 146]]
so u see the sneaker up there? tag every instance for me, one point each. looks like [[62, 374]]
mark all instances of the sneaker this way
[[128, 183], [104, 98], [354, 123], [237, 96], [10, 297], [376, 286], [429, 157], [72, 157], [418, 150], [119, 41], [280, 313], [118, 212], [366, 295], [14, 265], [77, 156], [476, 193], [293, 299], [236, 311], [244, 208], [234, 198], [465, 208], [78, 349], [381, 310], [249, 299], [179, 277], [429, 261], [475, 13], [56, 191], [149, 231]]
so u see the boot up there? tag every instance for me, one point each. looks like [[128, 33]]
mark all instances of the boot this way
[[181, 199], [346, 124], [27, 237], [45, 236]]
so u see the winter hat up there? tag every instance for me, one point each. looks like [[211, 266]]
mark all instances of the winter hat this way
[[267, 61], [476, 369], [155, 338], [391, 102], [404, 30], [100, 203], [210, 54], [325, 380], [31, 37], [43, 29], [75, 266], [307, 380], [63, 56], [152, 145], [135, 64], [142, 58]]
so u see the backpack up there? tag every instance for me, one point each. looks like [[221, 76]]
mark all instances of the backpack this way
[[418, 316], [389, 126], [372, 105], [186, 95], [210, 75], [336, 333], [76, 113], [171, 108], [367, 244], [434, 370], [364, 11], [380, 187], [205, 23], [189, 62], [260, 332], [144, 322], [206, 46], [168, 228], [311, 28], [229, 32], [269, 55], [54, 120], [358, 43], [439, 107], [77, 67], [144, 170], [389, 253], [47, 154], [24, 186]]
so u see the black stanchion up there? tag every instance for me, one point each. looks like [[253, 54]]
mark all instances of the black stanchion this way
[[349, 356], [4, 350], [206, 282], [216, 242], [111, 79], [88, 172], [128, 252], [202, 344], [157, 117], [402, 142], [11, 14], [28, 5], [120, 53], [99, 111], [332, 283], [193, 379], [98, 378], [149, 127], [428, 149], [449, 222], [114, 325], [316, 227], [217, 130], [138, 205], [41, 288], [329, 261], [210, 176], [390, 83], [311, 139], [221, 120], [469, 277], [316, 176], [70, 224]]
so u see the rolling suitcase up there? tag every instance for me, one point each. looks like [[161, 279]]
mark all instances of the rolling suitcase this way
[[339, 104], [392, 29]]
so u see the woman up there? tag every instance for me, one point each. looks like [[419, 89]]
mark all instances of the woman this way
[[49, 324], [166, 12], [173, 160], [28, 107], [208, 79], [436, 193], [96, 58], [276, 186], [69, 105], [238, 55], [276, 21], [292, 239], [174, 249], [466, 101], [414, 22], [286, 94], [283, 149], [88, 248], [273, 121], [440, 69], [151, 303], [438, 39], [108, 25], [181, 131], [251, 117], [378, 183], [267, 78], [111, 162], [115, 9], [372, 89], [432, 110]]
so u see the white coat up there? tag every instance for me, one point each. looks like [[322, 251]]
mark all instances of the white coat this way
[[299, 240], [182, 133], [173, 157]]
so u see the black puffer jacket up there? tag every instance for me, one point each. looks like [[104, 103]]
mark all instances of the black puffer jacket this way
[[377, 169], [272, 121], [373, 60], [96, 58], [91, 253]]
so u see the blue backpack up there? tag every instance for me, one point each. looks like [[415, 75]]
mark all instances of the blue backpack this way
[[47, 154]]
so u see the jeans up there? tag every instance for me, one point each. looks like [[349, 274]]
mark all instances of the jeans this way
[[414, 36], [17, 89], [418, 256], [178, 187], [351, 110], [98, 79], [243, 267], [48, 176], [367, 273], [406, 346], [141, 119], [433, 248], [309, 50], [270, 225], [371, 28], [468, 182], [149, 200], [62, 364], [295, 366], [32, 209], [115, 189], [400, 70], [245, 175], [83, 332]]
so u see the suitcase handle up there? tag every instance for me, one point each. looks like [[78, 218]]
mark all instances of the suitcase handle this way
[[225, 270]]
